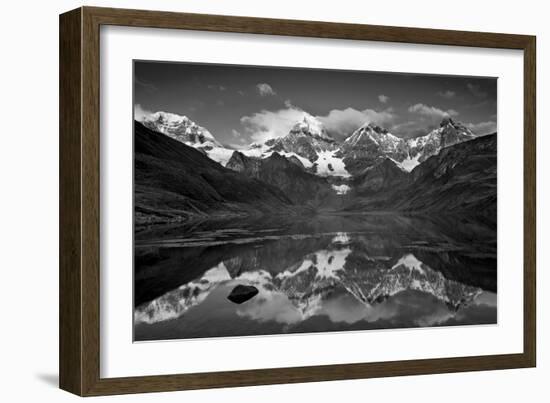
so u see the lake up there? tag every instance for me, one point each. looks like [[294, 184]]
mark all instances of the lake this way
[[313, 274]]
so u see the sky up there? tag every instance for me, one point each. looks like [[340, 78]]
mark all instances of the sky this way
[[244, 104]]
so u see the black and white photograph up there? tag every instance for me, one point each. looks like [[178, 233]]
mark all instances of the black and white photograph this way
[[277, 200]]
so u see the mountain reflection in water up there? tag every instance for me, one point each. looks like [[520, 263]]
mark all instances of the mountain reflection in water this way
[[327, 273]]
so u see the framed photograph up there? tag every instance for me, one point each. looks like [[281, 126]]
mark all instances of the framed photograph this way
[[249, 201]]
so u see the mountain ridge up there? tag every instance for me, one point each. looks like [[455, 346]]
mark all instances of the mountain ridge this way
[[370, 170], [175, 182], [287, 174], [309, 141], [461, 178]]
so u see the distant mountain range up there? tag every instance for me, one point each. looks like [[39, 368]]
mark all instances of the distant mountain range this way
[[309, 142], [183, 171]]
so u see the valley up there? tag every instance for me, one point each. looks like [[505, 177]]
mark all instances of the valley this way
[[182, 173]]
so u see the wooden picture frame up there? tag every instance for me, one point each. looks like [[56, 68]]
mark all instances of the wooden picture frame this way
[[79, 348]]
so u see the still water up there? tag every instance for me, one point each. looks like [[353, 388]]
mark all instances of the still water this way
[[323, 273]]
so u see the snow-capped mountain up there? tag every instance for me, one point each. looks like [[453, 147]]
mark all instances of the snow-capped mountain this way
[[184, 130], [307, 138], [459, 178], [371, 136], [311, 126], [180, 128], [370, 143], [309, 142], [447, 134], [309, 146]]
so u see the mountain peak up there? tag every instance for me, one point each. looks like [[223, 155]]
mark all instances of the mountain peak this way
[[374, 127], [168, 117], [454, 132], [371, 133], [448, 124], [312, 126], [179, 127], [447, 121]]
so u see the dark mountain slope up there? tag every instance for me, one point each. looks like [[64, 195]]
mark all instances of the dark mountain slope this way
[[176, 182], [382, 176], [297, 184], [461, 178]]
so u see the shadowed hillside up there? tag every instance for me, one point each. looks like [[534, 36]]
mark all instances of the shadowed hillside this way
[[460, 179], [176, 182]]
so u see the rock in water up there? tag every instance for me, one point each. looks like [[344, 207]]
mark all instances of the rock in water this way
[[242, 293]]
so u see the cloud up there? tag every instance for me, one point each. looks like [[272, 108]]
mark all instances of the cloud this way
[[383, 98], [265, 89], [216, 87], [447, 94], [476, 91], [340, 123], [432, 111], [236, 133], [480, 128], [427, 118], [265, 125], [477, 104], [140, 113], [145, 84], [404, 126], [240, 145], [412, 128]]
